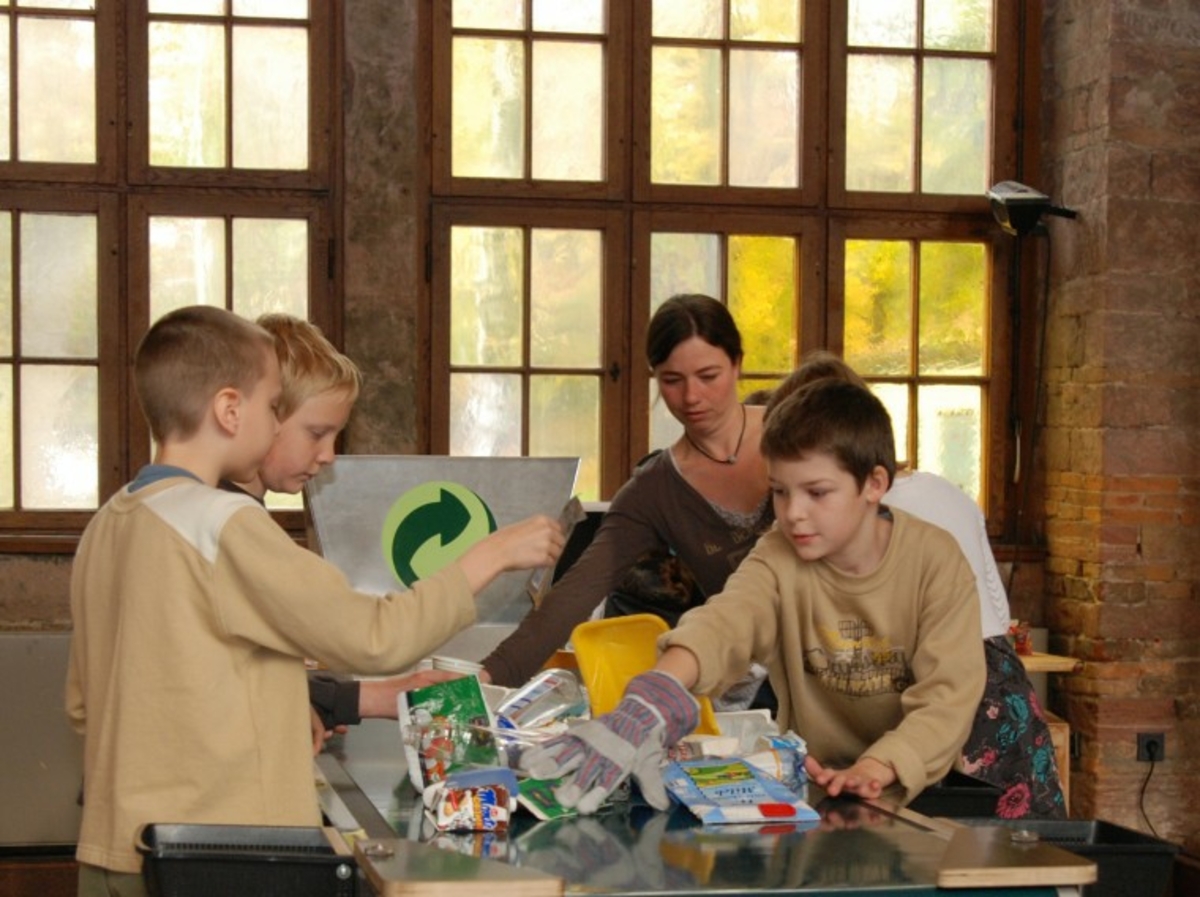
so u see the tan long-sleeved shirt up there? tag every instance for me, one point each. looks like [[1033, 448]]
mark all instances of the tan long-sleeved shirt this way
[[193, 612], [888, 665]]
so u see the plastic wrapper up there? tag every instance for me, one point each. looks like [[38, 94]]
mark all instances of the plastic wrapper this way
[[481, 800], [734, 791], [445, 726], [550, 696]]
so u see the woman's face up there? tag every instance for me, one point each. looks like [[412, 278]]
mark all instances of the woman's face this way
[[698, 381]]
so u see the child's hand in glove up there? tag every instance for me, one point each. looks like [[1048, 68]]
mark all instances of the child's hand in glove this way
[[655, 712]]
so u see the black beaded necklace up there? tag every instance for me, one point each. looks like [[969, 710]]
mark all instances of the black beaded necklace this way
[[732, 459]]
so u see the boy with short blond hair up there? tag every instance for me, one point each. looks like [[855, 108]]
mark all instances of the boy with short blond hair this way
[[866, 618], [193, 611]]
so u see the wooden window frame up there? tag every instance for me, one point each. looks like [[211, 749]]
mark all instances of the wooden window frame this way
[[615, 357], [820, 209], [123, 189]]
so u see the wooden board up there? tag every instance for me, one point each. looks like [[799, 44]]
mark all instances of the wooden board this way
[[399, 868], [987, 856], [1038, 662]]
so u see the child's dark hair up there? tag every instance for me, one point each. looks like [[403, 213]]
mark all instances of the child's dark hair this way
[[839, 418], [686, 315]]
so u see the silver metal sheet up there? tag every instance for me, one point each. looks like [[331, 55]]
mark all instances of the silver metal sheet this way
[[359, 503], [41, 759]]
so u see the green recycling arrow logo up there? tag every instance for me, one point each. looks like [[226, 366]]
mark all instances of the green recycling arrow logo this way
[[430, 526]]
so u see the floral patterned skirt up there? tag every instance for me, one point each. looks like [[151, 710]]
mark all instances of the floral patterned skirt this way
[[1009, 745]]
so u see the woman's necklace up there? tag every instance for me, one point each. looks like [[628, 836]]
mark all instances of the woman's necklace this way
[[732, 459]]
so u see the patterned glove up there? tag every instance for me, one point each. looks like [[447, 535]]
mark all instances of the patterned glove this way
[[655, 712]]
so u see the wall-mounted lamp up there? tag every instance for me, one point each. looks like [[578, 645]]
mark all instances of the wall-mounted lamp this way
[[1018, 209]]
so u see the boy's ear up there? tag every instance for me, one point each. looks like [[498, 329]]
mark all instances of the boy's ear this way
[[227, 410], [877, 484]]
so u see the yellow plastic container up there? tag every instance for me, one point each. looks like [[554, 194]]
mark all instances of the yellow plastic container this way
[[611, 652]]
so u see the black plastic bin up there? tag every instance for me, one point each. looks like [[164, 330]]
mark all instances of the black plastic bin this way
[[958, 795], [1127, 862], [267, 861]]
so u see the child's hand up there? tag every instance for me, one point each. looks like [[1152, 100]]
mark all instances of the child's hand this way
[[866, 778], [320, 734], [534, 542]]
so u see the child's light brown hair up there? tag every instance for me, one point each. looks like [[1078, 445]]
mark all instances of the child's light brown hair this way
[[187, 357], [309, 365], [816, 365]]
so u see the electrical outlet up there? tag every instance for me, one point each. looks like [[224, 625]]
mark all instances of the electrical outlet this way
[[1151, 747]]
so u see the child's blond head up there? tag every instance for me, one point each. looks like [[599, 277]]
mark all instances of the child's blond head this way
[[309, 365], [187, 357], [816, 365], [842, 419]]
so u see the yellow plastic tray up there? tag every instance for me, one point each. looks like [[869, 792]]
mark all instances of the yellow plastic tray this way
[[611, 652]]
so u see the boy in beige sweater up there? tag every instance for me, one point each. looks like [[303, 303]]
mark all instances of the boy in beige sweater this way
[[194, 611]]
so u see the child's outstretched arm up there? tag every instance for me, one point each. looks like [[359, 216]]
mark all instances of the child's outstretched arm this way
[[534, 542]]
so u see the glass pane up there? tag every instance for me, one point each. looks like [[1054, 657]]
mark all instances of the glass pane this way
[[579, 16], [878, 315], [187, 263], [274, 9], [958, 25], [882, 23], [187, 95], [500, 14], [764, 119], [568, 111], [59, 437], [956, 117], [57, 4], [485, 415], [5, 92], [270, 98], [6, 284], [58, 286], [895, 399], [664, 428], [56, 84], [880, 108], [486, 274], [564, 421], [565, 282], [284, 501], [953, 306], [685, 116], [684, 263], [763, 300], [688, 18], [950, 437], [8, 493], [270, 266], [488, 114], [766, 20], [189, 7], [756, 391]]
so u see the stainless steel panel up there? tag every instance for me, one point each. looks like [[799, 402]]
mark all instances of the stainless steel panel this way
[[41, 757], [351, 500]]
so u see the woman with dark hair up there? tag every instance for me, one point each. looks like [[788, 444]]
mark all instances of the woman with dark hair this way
[[703, 500]]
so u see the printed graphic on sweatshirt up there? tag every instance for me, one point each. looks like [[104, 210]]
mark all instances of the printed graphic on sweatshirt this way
[[852, 660]]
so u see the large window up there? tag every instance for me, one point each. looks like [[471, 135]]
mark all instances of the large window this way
[[176, 154], [820, 167]]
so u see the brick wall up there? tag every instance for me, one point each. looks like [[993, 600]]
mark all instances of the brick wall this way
[[1121, 447]]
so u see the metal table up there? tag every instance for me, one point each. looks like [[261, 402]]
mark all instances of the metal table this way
[[856, 848]]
